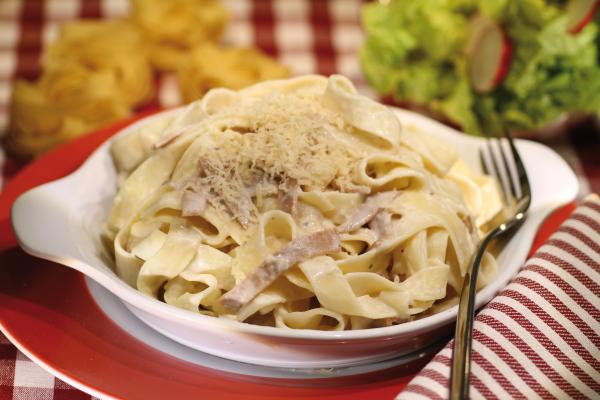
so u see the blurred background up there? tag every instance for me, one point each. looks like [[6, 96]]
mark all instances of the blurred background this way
[[68, 67]]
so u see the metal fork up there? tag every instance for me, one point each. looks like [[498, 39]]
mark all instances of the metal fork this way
[[507, 167]]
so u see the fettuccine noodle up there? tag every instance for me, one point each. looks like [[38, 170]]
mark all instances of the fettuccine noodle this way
[[297, 204]]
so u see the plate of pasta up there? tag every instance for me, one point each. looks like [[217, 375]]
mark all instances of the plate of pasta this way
[[290, 224]]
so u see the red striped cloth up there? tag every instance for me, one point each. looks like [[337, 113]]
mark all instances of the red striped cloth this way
[[540, 337]]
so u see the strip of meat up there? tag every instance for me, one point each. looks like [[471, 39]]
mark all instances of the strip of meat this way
[[299, 249], [242, 208], [367, 211], [289, 199], [381, 224], [193, 203]]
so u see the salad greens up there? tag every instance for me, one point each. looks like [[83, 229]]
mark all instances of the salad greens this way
[[415, 50]]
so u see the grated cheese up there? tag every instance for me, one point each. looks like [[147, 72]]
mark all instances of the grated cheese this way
[[290, 139]]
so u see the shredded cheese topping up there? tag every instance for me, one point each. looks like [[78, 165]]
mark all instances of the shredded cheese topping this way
[[288, 140]]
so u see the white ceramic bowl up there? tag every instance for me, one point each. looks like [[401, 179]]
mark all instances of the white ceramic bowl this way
[[61, 221]]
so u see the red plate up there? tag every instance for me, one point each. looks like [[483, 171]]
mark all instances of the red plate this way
[[47, 311]]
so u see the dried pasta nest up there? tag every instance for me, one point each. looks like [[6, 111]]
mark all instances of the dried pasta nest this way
[[208, 66], [172, 28], [80, 88], [98, 72]]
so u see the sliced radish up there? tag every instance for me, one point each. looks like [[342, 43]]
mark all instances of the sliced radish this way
[[489, 53], [580, 13]]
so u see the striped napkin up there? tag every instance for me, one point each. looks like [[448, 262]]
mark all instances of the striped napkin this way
[[540, 337]]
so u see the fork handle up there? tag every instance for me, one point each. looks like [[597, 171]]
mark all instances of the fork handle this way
[[461, 354]]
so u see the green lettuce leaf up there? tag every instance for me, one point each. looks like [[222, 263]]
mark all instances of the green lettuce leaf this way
[[415, 51]]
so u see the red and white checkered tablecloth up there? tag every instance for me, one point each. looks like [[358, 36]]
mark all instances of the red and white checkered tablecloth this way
[[315, 36], [21, 379]]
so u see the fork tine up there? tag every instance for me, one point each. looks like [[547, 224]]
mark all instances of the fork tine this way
[[501, 175], [509, 175], [493, 169], [483, 163], [521, 171]]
